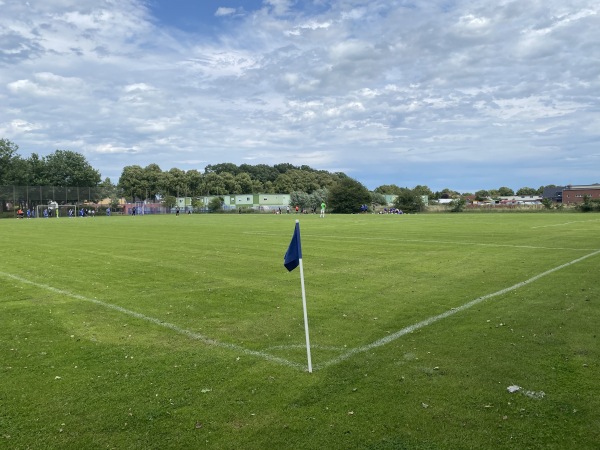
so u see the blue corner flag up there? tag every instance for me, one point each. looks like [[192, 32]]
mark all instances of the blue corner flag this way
[[292, 257]]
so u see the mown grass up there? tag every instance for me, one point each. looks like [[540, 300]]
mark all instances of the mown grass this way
[[215, 357]]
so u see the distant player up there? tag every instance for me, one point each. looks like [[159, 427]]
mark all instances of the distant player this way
[[322, 209]]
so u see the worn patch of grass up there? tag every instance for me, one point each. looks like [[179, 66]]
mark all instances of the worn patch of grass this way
[[187, 332]]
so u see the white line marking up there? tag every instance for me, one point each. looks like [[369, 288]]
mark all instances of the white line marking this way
[[285, 362], [566, 223], [170, 326], [427, 241], [429, 321]]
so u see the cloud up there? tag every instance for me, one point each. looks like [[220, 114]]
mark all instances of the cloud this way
[[222, 11], [393, 92]]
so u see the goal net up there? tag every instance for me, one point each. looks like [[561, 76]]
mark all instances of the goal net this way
[[54, 211]]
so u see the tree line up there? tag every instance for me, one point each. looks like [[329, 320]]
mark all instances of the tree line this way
[[307, 187]]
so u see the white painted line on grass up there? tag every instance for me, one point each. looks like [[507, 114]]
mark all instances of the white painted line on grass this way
[[429, 321], [566, 223], [170, 326], [426, 241], [285, 362]]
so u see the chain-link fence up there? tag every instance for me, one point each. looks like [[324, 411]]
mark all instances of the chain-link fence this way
[[13, 198]]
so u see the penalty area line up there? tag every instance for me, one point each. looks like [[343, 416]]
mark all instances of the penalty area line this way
[[433, 319], [170, 326]]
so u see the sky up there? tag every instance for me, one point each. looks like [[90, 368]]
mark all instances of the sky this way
[[458, 94]]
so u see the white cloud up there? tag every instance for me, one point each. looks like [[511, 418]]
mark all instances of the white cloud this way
[[377, 88], [223, 11]]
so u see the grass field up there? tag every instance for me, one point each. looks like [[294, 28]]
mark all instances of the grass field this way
[[187, 332]]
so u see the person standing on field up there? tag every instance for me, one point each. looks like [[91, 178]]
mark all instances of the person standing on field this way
[[322, 209]]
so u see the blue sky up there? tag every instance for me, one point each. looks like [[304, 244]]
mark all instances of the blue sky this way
[[465, 95]]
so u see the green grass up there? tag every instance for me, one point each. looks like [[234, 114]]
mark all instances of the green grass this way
[[187, 332]]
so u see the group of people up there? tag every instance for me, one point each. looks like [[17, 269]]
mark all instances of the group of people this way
[[391, 211], [304, 211], [49, 212]]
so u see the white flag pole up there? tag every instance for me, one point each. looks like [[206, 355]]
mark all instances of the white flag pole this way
[[305, 317]]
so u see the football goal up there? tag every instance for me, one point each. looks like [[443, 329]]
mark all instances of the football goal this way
[[53, 211]]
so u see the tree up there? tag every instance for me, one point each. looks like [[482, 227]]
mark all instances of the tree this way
[[8, 158], [215, 204], [133, 183], [409, 201], [481, 195], [169, 201], [540, 190], [347, 196], [423, 190], [317, 197], [300, 199], [589, 204], [173, 182], [547, 203], [527, 191], [36, 171], [107, 189], [297, 180], [152, 174], [194, 182], [458, 204], [213, 183], [231, 187], [244, 183], [67, 168], [505, 191], [388, 189], [447, 193], [220, 168], [378, 199]]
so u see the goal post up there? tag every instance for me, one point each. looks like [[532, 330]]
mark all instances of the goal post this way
[[50, 211]]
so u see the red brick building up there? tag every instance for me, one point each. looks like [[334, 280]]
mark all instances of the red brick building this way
[[573, 194]]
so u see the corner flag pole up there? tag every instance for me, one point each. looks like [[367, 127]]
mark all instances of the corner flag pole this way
[[291, 260], [305, 317]]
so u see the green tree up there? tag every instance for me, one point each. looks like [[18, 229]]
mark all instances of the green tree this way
[[67, 168], [527, 191], [194, 181], [447, 193], [423, 190], [152, 174], [36, 171], [284, 167], [482, 195], [347, 196], [458, 204], [409, 201], [388, 189], [244, 183], [589, 204], [169, 201], [107, 189], [548, 203], [174, 183], [259, 187], [505, 191], [540, 190], [133, 183], [215, 204], [213, 184], [378, 199], [8, 160], [231, 187], [300, 199], [221, 168], [317, 197]]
